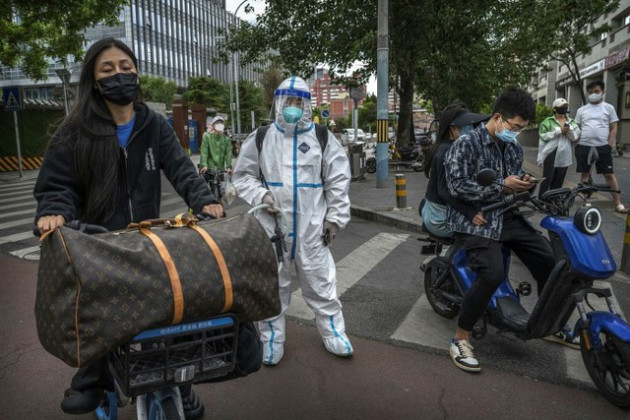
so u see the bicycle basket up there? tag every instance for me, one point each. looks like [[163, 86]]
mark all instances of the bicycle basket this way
[[175, 355]]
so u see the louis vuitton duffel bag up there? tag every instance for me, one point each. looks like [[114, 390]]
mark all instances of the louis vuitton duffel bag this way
[[96, 292]]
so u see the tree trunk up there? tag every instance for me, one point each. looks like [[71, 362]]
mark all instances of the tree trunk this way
[[404, 133]]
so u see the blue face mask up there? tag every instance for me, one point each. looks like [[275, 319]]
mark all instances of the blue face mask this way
[[506, 135], [292, 114], [465, 129]]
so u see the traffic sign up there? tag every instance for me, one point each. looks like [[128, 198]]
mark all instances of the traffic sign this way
[[11, 98], [325, 113]]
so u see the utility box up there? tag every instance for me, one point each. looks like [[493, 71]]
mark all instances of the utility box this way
[[356, 156]]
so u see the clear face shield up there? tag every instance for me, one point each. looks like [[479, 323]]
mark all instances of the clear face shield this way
[[293, 106]]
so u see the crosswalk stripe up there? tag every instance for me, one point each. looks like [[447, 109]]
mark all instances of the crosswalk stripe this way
[[11, 195], [16, 237], [352, 268], [24, 252], [423, 326], [24, 202], [17, 187], [17, 222], [21, 213]]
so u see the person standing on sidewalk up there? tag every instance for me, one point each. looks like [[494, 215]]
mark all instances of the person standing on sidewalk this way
[[492, 146], [558, 134], [598, 120], [216, 148], [296, 172]]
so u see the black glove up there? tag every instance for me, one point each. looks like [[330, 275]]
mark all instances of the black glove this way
[[330, 232]]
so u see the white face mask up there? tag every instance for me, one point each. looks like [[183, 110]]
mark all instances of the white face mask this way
[[219, 127], [595, 97]]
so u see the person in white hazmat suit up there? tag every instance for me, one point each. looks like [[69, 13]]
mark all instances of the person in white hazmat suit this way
[[310, 186]]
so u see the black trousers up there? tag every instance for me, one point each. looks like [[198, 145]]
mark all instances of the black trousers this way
[[554, 177], [485, 257]]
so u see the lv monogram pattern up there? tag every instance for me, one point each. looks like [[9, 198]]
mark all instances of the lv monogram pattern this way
[[95, 292]]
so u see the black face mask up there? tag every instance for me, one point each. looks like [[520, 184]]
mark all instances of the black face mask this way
[[564, 110], [121, 88]]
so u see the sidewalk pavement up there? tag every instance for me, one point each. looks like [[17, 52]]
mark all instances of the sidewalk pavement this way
[[379, 204]]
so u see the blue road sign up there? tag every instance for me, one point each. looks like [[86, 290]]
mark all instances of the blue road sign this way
[[11, 98], [325, 113]]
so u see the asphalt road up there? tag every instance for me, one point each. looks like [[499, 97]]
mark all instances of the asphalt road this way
[[400, 369]]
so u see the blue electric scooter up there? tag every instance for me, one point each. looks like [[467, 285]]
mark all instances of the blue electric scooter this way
[[582, 256]]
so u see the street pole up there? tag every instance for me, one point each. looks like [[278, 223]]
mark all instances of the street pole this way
[[238, 105], [17, 143], [236, 76], [382, 88], [625, 254], [64, 74], [232, 98]]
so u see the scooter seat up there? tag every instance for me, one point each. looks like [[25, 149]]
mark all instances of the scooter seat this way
[[511, 315]]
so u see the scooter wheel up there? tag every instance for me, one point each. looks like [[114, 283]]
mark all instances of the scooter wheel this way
[[435, 283], [370, 165], [609, 367]]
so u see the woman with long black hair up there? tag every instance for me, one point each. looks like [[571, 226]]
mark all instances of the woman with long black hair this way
[[102, 166], [455, 121]]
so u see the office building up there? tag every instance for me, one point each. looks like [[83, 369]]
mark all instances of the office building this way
[[608, 61], [173, 39]]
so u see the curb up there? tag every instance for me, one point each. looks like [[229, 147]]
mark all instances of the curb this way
[[375, 216]]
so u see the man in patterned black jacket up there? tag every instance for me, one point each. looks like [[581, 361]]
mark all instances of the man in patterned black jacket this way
[[493, 146]]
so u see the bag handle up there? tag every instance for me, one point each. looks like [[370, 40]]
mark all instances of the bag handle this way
[[181, 220]]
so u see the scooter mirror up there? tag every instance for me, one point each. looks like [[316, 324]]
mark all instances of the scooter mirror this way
[[486, 177]]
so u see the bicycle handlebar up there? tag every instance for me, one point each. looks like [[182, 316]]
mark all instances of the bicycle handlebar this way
[[507, 201], [78, 225]]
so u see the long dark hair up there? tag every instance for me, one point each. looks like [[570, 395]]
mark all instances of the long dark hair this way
[[91, 130], [447, 116]]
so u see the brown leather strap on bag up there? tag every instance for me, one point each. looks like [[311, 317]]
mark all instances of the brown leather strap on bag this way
[[181, 220], [176, 285], [225, 273]]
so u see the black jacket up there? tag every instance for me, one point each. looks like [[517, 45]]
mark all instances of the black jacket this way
[[152, 146], [437, 188]]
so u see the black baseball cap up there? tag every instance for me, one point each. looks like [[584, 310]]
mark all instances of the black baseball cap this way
[[466, 118]]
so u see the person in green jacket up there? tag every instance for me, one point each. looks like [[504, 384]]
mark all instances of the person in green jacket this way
[[216, 149], [558, 134]]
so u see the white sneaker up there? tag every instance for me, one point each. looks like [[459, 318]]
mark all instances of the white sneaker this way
[[463, 357], [272, 353]]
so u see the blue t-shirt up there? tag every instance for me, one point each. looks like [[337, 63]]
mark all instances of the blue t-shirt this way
[[124, 131]]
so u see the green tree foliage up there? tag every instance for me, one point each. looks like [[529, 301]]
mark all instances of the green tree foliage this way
[[542, 112], [251, 99], [34, 31], [270, 80], [157, 89], [443, 50], [207, 91], [572, 30], [367, 114]]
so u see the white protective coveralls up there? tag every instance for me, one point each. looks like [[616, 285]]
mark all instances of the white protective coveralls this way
[[309, 189]]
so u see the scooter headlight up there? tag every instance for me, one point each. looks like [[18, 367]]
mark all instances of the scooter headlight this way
[[588, 220]]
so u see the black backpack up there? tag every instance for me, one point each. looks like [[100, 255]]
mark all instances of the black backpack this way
[[321, 131]]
